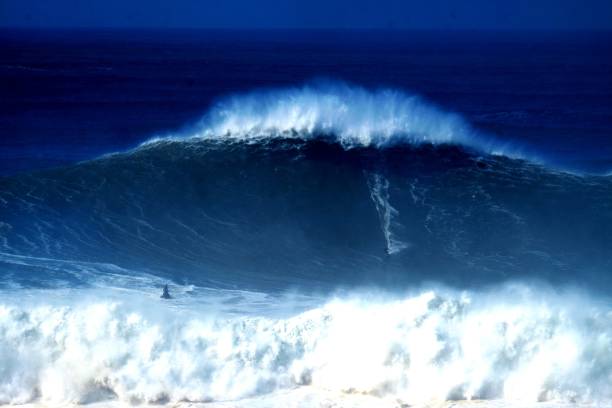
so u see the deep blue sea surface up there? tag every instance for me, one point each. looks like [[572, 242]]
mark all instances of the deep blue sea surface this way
[[404, 216], [73, 95]]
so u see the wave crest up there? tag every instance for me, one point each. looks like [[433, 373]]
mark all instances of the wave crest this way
[[348, 114]]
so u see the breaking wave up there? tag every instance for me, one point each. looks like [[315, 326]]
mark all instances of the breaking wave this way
[[328, 187], [516, 344], [350, 115]]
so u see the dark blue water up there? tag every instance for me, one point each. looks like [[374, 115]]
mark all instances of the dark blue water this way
[[68, 96], [310, 212]]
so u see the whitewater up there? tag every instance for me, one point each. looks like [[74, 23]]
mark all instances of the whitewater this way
[[512, 343], [325, 245], [342, 113]]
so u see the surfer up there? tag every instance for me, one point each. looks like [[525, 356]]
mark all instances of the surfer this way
[[166, 294]]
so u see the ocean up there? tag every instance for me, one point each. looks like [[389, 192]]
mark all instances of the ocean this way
[[343, 218]]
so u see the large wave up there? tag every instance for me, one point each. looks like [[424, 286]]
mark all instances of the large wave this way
[[305, 213], [348, 114], [310, 189], [515, 344]]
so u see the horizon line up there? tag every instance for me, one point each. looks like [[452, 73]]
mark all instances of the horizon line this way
[[305, 28]]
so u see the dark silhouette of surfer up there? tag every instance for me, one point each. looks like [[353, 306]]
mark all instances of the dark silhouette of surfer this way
[[166, 293]]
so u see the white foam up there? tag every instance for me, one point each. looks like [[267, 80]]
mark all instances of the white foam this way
[[518, 346], [379, 193], [351, 115]]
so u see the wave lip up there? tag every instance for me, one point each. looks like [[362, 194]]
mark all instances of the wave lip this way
[[348, 114]]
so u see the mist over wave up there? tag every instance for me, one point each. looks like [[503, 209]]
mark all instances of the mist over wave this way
[[341, 112], [517, 343]]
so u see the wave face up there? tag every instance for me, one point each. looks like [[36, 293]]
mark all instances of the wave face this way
[[437, 345], [347, 114], [286, 213]]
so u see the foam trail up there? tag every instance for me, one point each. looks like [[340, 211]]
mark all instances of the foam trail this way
[[379, 193], [348, 114], [518, 345]]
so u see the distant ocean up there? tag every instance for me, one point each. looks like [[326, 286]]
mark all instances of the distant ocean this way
[[358, 218]]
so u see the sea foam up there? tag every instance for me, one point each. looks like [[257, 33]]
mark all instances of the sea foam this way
[[433, 345], [348, 114]]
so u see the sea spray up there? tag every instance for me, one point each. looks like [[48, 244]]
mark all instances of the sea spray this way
[[518, 344], [340, 112]]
